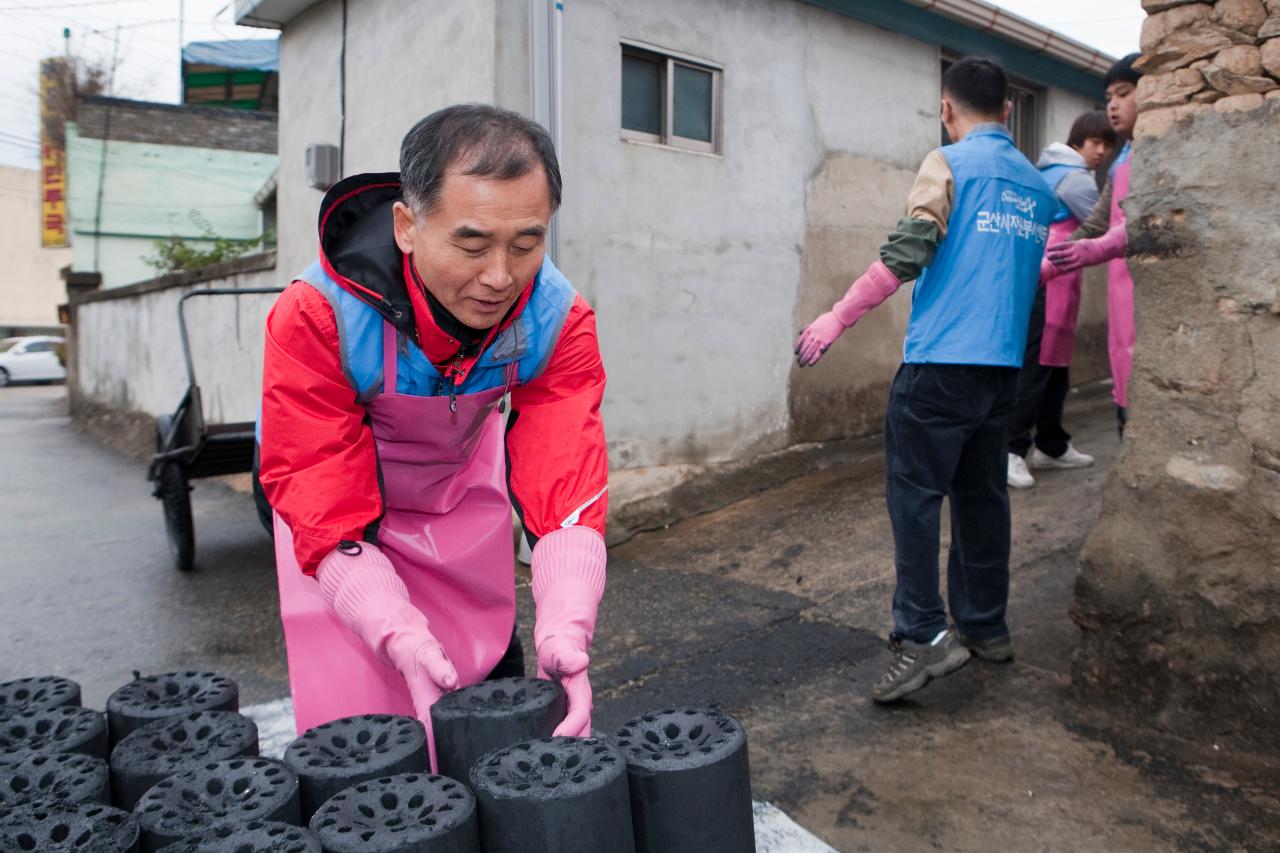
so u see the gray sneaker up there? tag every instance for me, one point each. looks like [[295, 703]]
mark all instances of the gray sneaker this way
[[999, 650], [914, 665]]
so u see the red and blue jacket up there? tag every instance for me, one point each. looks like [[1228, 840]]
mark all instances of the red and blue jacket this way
[[323, 361]]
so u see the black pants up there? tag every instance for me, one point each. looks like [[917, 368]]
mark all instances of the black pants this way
[[946, 429], [512, 663], [1042, 395]]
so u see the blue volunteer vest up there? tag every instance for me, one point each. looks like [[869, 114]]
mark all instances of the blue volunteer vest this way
[[972, 304], [529, 340], [1053, 175]]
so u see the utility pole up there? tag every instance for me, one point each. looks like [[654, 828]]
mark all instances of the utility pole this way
[[102, 162], [182, 77]]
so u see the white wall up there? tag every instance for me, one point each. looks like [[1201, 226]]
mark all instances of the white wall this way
[[129, 353], [30, 289], [404, 61]]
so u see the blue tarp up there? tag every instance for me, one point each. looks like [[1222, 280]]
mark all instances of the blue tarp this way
[[257, 54]]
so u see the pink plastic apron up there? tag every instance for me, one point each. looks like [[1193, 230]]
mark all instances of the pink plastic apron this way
[[447, 531], [1061, 305], [1120, 326]]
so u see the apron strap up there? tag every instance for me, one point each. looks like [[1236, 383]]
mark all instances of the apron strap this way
[[390, 357]]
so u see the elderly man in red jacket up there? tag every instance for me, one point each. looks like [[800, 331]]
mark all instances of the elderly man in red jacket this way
[[383, 448]]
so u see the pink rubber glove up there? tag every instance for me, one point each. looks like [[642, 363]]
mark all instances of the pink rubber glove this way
[[874, 286], [568, 580], [1069, 257], [361, 585]]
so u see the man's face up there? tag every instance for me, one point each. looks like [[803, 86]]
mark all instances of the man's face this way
[[480, 245], [1094, 151], [1122, 107]]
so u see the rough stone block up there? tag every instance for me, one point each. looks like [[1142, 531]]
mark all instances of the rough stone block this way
[[34, 694], [1238, 103], [1158, 122], [492, 715], [536, 794], [1270, 29], [67, 777], [165, 747], [1160, 25], [1236, 84], [235, 791], [1270, 57], [345, 752], [1168, 89], [154, 697], [1243, 59], [1246, 16], [690, 781], [1183, 48], [1207, 96], [406, 813], [65, 729]]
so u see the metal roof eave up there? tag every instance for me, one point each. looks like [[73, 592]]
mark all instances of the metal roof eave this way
[[269, 14], [971, 26]]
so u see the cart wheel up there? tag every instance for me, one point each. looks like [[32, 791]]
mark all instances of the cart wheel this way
[[175, 497]]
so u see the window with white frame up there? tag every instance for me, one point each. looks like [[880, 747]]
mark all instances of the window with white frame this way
[[670, 99]]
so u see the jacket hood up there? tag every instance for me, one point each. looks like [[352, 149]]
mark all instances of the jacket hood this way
[[358, 246], [1059, 154]]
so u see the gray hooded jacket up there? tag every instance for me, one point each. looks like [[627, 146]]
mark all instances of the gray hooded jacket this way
[[1077, 189]]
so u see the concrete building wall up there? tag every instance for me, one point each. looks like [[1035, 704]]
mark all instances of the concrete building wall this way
[[30, 289], [702, 268], [128, 352], [404, 60]]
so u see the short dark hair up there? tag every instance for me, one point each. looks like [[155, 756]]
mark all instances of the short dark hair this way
[[493, 142], [1091, 125], [1122, 71], [977, 84]]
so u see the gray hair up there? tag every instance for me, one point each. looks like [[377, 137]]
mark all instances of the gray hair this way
[[493, 142]]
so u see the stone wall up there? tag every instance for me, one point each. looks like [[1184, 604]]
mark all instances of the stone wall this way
[[1178, 597], [1197, 56]]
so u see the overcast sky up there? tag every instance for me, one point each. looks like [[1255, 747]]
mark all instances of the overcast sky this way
[[148, 45]]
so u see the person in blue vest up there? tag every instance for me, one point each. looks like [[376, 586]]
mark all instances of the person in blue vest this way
[[1051, 335], [973, 240]]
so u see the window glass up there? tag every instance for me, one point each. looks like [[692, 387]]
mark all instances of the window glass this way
[[39, 346], [8, 344], [641, 94], [692, 110]]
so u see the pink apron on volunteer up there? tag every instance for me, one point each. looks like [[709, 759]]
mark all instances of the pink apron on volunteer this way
[[446, 528], [1120, 324], [1061, 305]]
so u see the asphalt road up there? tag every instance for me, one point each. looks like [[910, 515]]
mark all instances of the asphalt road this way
[[88, 590]]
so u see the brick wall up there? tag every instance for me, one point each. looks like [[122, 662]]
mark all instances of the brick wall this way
[[174, 124]]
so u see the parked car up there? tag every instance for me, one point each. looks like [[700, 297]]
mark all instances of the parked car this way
[[38, 358]]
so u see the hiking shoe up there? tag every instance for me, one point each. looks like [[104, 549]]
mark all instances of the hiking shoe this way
[[1019, 476], [998, 650], [913, 665], [1071, 458]]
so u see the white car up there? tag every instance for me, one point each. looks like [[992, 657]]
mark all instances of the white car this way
[[32, 359]]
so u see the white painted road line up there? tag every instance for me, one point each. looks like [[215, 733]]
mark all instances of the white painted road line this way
[[775, 832]]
